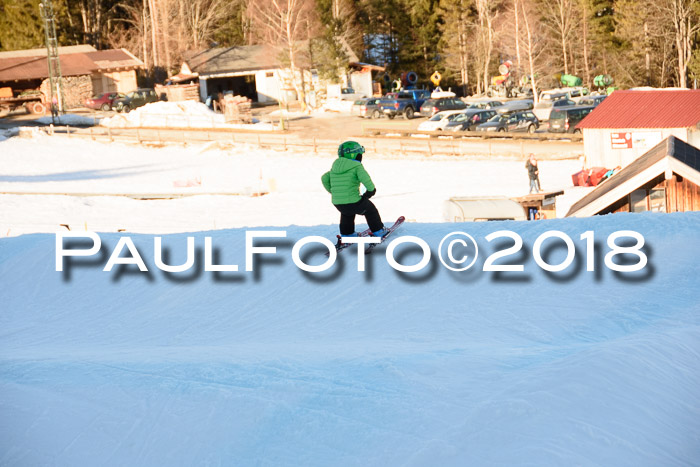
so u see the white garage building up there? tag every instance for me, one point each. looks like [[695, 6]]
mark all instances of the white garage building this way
[[627, 124]]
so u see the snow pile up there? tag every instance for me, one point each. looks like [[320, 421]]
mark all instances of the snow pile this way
[[279, 367], [70, 120], [183, 114], [338, 105]]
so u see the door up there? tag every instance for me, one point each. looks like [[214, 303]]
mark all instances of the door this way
[[513, 122]]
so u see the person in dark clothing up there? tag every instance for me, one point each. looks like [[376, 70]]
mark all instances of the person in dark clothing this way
[[343, 183], [533, 173]]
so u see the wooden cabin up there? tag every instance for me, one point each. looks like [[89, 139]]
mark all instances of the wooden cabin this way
[[665, 179]]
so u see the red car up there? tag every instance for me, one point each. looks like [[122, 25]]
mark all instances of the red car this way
[[104, 101]]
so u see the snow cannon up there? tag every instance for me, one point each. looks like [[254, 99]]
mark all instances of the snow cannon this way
[[498, 80], [409, 78], [387, 79], [570, 80], [504, 68], [602, 81]]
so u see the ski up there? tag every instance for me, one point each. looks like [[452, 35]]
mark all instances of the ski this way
[[366, 233], [341, 246], [390, 230]]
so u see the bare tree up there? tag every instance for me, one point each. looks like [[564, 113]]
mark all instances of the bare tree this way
[[487, 12], [344, 12], [200, 18], [684, 17], [583, 7], [282, 24], [560, 18], [535, 44], [91, 12]]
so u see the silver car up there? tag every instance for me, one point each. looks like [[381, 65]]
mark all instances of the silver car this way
[[367, 108]]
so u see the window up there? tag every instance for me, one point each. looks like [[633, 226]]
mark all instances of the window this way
[[638, 201], [269, 74], [657, 200]]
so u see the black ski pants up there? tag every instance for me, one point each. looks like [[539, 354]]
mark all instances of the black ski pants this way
[[364, 207]]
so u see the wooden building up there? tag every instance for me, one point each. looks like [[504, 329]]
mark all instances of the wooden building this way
[[665, 179], [258, 72], [86, 71], [540, 205]]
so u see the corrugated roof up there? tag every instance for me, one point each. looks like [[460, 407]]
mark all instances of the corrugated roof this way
[[233, 59], [654, 108], [245, 58], [68, 49], [670, 147], [114, 58], [73, 64]]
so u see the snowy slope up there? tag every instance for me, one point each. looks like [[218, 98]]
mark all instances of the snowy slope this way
[[416, 187], [281, 367]]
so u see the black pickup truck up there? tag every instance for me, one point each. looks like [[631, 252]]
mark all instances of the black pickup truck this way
[[405, 103]]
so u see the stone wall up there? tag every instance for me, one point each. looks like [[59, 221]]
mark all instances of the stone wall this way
[[75, 90]]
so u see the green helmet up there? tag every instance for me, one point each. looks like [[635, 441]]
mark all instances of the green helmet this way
[[350, 150]]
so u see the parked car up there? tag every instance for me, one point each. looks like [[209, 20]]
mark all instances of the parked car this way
[[349, 94], [514, 106], [470, 119], [405, 103], [574, 93], [592, 100], [577, 93], [516, 121], [135, 99], [484, 104], [544, 107], [439, 121], [104, 101], [433, 106], [565, 119], [367, 108]]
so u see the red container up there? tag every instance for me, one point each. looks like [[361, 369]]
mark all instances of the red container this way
[[596, 174], [580, 178]]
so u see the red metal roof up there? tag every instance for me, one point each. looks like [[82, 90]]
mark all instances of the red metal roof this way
[[654, 108]]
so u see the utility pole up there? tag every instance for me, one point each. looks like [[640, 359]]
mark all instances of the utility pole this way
[[55, 78]]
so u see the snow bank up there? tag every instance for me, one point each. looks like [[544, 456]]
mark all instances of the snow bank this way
[[337, 105], [379, 368], [184, 114]]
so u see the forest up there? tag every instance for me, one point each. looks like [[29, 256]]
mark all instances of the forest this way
[[638, 42]]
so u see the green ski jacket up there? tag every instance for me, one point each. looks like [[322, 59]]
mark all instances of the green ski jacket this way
[[343, 181]]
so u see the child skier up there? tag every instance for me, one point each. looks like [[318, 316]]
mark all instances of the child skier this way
[[343, 183]]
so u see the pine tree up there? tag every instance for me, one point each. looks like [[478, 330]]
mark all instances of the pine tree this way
[[21, 26]]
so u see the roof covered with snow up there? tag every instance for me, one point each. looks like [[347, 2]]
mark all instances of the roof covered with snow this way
[[672, 153], [652, 108]]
